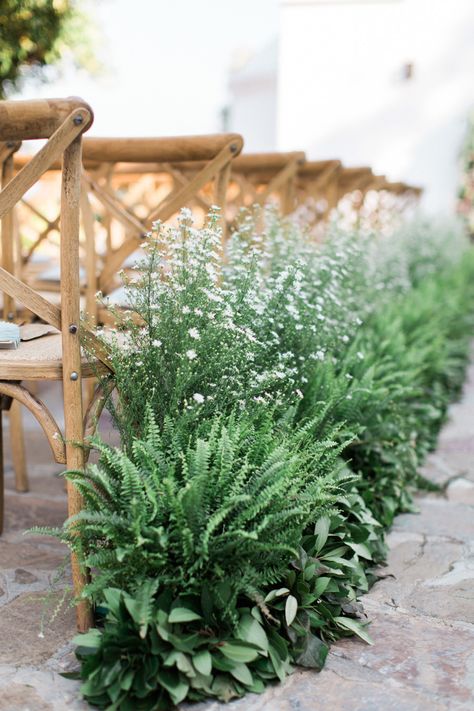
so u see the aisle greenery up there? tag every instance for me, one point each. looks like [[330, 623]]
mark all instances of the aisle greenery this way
[[273, 409]]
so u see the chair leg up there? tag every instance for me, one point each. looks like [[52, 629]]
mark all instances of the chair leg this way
[[17, 442], [72, 388], [2, 482]]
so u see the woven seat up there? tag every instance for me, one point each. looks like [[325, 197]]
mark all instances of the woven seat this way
[[40, 359]]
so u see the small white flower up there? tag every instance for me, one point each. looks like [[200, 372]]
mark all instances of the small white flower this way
[[194, 333], [156, 343], [186, 310], [191, 354], [345, 339], [360, 355], [348, 376], [186, 213], [299, 393], [198, 398]]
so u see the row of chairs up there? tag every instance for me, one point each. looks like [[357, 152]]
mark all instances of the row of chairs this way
[[130, 182], [96, 198]]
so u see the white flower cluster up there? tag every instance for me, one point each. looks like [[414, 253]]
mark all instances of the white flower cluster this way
[[254, 327]]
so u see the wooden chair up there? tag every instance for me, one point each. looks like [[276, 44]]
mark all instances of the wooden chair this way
[[207, 159], [55, 357], [9, 251], [264, 177], [185, 171]]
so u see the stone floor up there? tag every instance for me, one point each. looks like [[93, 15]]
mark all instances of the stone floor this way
[[422, 611]]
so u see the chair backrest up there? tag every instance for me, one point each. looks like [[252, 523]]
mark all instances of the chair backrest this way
[[61, 122], [262, 177], [207, 157], [8, 257], [185, 171]]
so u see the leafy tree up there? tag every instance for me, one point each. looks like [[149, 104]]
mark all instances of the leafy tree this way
[[38, 33]]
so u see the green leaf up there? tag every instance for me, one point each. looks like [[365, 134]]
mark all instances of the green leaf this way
[[321, 530], [361, 549], [182, 614], [242, 673], [113, 597], [276, 593], [238, 652], [277, 663], [174, 684], [353, 626], [321, 585], [250, 630], [314, 653], [203, 662], [291, 608], [89, 640]]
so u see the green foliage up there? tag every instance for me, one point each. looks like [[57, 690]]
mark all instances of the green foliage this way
[[156, 651], [274, 412], [36, 33], [225, 504]]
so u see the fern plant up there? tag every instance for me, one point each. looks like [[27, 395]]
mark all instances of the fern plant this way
[[225, 504]]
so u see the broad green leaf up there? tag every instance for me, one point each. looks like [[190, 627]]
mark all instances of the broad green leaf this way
[[321, 585], [277, 663], [250, 630], [314, 653], [238, 652], [321, 530], [291, 608], [353, 626], [203, 662], [241, 672], [127, 679], [309, 571], [182, 614], [112, 597], [174, 684], [276, 593], [90, 639], [361, 550]]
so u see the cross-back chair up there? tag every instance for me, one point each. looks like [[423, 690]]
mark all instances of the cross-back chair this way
[[262, 177], [135, 181], [61, 123], [203, 181], [112, 168]]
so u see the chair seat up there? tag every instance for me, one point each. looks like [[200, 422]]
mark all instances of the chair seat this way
[[53, 296], [40, 359]]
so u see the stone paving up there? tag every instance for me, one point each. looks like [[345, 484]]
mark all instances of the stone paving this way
[[422, 611]]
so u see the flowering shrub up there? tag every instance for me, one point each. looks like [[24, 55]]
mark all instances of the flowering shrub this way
[[274, 407]]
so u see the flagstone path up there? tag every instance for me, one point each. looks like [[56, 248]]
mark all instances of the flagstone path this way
[[422, 611]]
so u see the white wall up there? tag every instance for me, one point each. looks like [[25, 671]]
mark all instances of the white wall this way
[[253, 100], [341, 92]]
